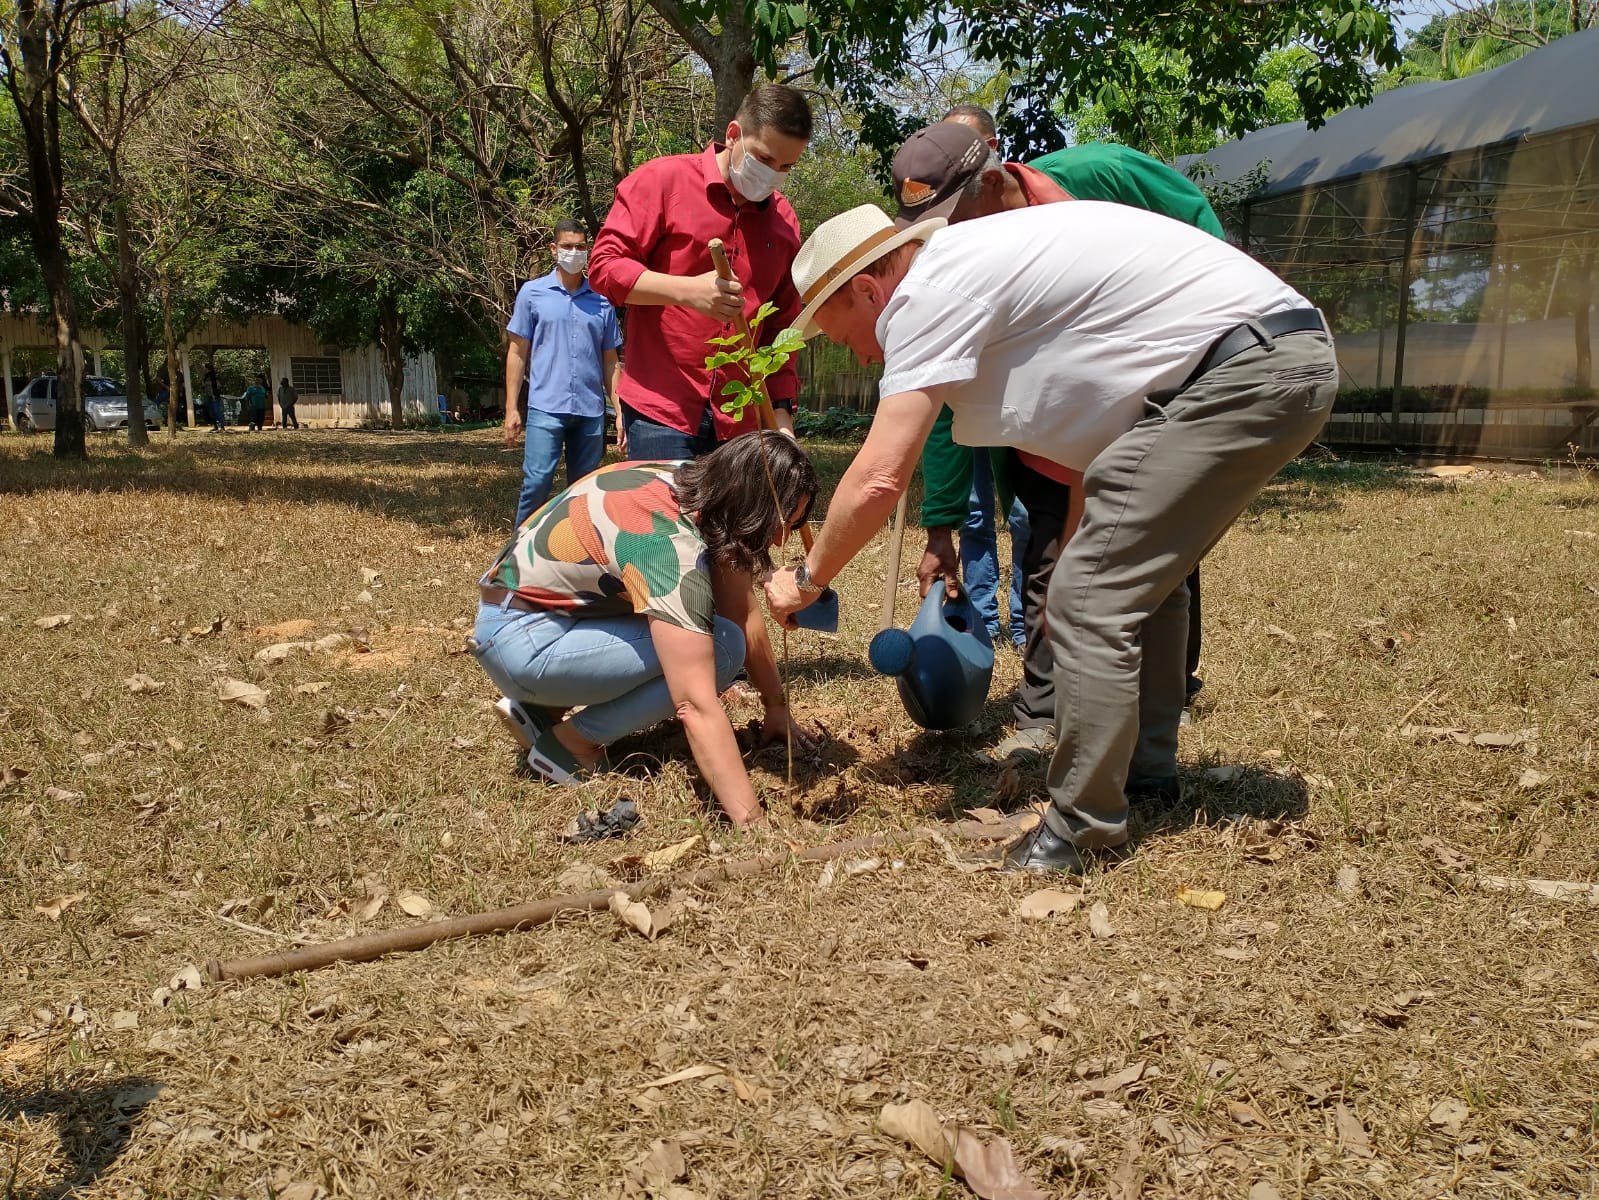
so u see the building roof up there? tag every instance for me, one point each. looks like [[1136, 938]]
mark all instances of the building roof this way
[[1553, 88]]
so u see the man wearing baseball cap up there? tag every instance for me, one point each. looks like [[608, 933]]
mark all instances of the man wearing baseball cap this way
[[1171, 369], [945, 157]]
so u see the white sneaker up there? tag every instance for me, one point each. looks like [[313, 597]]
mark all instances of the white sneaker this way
[[519, 722]]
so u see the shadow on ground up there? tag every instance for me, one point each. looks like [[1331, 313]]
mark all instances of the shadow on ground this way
[[95, 1124]]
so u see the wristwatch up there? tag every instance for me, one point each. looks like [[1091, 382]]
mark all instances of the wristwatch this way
[[802, 581]]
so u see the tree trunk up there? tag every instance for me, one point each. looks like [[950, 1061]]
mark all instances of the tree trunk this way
[[391, 340], [132, 327], [733, 67], [170, 345], [39, 110], [729, 54]]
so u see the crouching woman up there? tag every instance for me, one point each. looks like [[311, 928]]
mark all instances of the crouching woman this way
[[631, 594]]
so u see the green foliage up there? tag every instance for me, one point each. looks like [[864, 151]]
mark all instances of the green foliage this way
[[832, 422], [1060, 58], [757, 362]]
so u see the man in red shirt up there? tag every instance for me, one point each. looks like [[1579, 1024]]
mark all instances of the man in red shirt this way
[[651, 256]]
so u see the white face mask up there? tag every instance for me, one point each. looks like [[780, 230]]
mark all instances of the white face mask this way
[[572, 261], [755, 180]]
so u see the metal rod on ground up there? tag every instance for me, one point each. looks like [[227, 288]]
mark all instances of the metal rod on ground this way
[[521, 916], [896, 552]]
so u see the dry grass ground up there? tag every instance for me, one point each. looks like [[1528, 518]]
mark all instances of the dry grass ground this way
[[1353, 1021]]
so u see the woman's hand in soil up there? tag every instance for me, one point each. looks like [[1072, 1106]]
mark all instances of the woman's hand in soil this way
[[780, 725]]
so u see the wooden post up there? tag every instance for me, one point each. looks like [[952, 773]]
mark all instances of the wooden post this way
[[1411, 189], [5, 366]]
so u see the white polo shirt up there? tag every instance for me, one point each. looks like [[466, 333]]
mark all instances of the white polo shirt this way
[[1054, 322]]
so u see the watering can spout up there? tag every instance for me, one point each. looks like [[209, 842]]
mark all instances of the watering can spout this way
[[943, 663]]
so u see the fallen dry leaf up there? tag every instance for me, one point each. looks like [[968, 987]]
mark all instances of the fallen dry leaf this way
[[11, 776], [985, 816], [1244, 1113], [414, 905], [141, 683], [61, 795], [237, 691], [369, 576], [1449, 1115], [1197, 898], [1046, 903], [1505, 741], [635, 914], [1099, 921], [1444, 855], [370, 906], [1277, 631], [54, 907], [1347, 881], [311, 689], [989, 1170], [217, 625], [697, 1071], [1531, 779], [188, 979], [1352, 1138], [663, 1164], [668, 857], [1441, 733], [53, 622], [1224, 774], [1549, 889], [1395, 1011]]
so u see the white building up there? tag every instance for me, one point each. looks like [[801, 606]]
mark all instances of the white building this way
[[337, 387]]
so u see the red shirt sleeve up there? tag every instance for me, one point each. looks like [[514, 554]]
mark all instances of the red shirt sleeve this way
[[631, 230]]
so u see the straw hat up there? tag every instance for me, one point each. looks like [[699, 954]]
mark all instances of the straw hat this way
[[844, 246]]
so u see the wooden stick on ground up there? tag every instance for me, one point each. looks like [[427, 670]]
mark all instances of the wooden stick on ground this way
[[541, 912], [519, 916]]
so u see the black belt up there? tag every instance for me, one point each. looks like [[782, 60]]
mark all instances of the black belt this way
[[1244, 337]]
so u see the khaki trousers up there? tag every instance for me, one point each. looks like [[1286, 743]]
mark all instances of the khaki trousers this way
[[1155, 501]]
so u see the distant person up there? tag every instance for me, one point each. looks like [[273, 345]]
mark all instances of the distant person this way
[[213, 393], [563, 338], [255, 402], [651, 256], [288, 397]]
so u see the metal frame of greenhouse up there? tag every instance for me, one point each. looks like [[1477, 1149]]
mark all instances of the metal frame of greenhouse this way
[[1450, 232]]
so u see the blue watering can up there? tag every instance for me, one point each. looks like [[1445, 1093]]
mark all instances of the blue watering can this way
[[944, 662]]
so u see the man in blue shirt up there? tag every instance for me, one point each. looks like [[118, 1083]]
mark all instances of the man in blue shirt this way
[[563, 340]]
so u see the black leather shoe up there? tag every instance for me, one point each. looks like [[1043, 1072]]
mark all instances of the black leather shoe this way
[[1159, 789], [1042, 851]]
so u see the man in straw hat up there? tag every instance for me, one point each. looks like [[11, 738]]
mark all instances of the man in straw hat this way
[[1176, 373]]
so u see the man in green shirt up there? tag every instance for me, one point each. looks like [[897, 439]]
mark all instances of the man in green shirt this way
[[255, 402], [951, 154]]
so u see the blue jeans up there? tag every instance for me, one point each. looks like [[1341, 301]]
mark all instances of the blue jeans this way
[[650, 441], [979, 549], [608, 664], [584, 441]]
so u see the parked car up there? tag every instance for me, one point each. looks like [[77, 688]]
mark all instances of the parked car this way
[[104, 405]]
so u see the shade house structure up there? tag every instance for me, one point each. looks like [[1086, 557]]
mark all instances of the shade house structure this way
[[1449, 232]]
